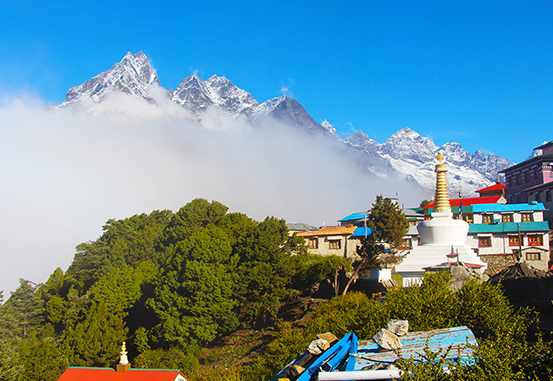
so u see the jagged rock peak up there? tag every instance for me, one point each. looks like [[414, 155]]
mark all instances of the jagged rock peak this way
[[361, 139], [408, 144], [197, 95], [132, 75], [327, 126], [290, 112]]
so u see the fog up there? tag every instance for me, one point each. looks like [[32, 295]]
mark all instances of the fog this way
[[65, 173]]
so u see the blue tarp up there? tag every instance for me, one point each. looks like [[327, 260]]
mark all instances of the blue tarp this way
[[360, 232]]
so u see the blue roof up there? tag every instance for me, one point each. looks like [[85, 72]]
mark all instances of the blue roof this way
[[481, 208], [360, 232], [355, 216], [508, 227]]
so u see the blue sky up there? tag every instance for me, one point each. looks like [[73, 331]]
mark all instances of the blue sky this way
[[474, 72]]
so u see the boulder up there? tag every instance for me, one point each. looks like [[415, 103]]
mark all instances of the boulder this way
[[398, 327], [387, 340]]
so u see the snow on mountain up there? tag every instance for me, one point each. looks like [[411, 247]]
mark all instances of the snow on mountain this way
[[409, 155], [198, 96], [288, 111], [405, 154], [327, 126], [133, 75]]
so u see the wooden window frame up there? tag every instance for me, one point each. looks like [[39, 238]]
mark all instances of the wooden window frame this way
[[506, 218], [335, 244], [535, 240], [514, 241], [406, 244], [484, 241], [533, 256], [527, 217], [313, 243], [487, 218]]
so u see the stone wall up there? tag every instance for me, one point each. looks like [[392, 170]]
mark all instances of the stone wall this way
[[498, 262]]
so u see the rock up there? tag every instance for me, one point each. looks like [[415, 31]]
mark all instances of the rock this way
[[398, 327], [387, 340], [328, 337], [295, 370], [318, 346]]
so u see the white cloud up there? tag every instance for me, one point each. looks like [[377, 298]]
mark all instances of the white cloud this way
[[64, 174]]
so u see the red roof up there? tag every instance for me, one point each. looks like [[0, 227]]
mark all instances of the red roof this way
[[108, 374], [495, 187], [469, 201]]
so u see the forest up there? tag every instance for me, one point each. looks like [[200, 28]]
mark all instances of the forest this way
[[173, 284], [166, 283]]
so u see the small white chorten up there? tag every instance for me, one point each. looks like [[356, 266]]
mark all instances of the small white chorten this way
[[439, 236]]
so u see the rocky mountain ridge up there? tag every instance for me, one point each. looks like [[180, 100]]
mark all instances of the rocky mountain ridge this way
[[405, 154]]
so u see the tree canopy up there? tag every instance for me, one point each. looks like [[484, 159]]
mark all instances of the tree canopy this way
[[166, 283]]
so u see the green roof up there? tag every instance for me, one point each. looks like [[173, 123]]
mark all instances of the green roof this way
[[509, 227]]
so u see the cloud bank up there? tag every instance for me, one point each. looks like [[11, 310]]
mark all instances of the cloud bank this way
[[64, 174]]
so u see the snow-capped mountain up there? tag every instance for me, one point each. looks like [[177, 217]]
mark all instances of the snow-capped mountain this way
[[133, 75], [288, 111], [409, 155], [198, 96], [405, 154]]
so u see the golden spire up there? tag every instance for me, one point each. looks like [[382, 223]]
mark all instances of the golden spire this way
[[441, 199]]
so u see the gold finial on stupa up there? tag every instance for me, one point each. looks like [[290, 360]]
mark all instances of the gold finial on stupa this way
[[441, 200]]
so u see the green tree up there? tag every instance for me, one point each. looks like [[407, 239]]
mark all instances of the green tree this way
[[41, 359], [389, 222], [10, 366], [23, 313], [192, 217], [171, 358], [195, 297], [95, 340], [388, 226]]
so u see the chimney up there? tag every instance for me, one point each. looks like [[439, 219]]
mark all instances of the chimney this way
[[124, 364]]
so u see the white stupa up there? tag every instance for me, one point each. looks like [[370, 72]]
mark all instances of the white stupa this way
[[439, 236]]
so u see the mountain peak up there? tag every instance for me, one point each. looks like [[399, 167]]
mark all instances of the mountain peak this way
[[327, 126], [132, 75]]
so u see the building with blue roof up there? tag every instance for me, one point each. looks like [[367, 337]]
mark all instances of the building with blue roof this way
[[505, 234]]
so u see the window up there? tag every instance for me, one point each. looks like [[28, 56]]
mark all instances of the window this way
[[533, 256], [334, 244], [513, 240], [527, 217], [527, 177], [405, 244], [487, 218], [547, 196], [313, 243], [518, 179], [507, 218], [536, 175], [538, 197], [468, 218], [535, 240], [485, 242]]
